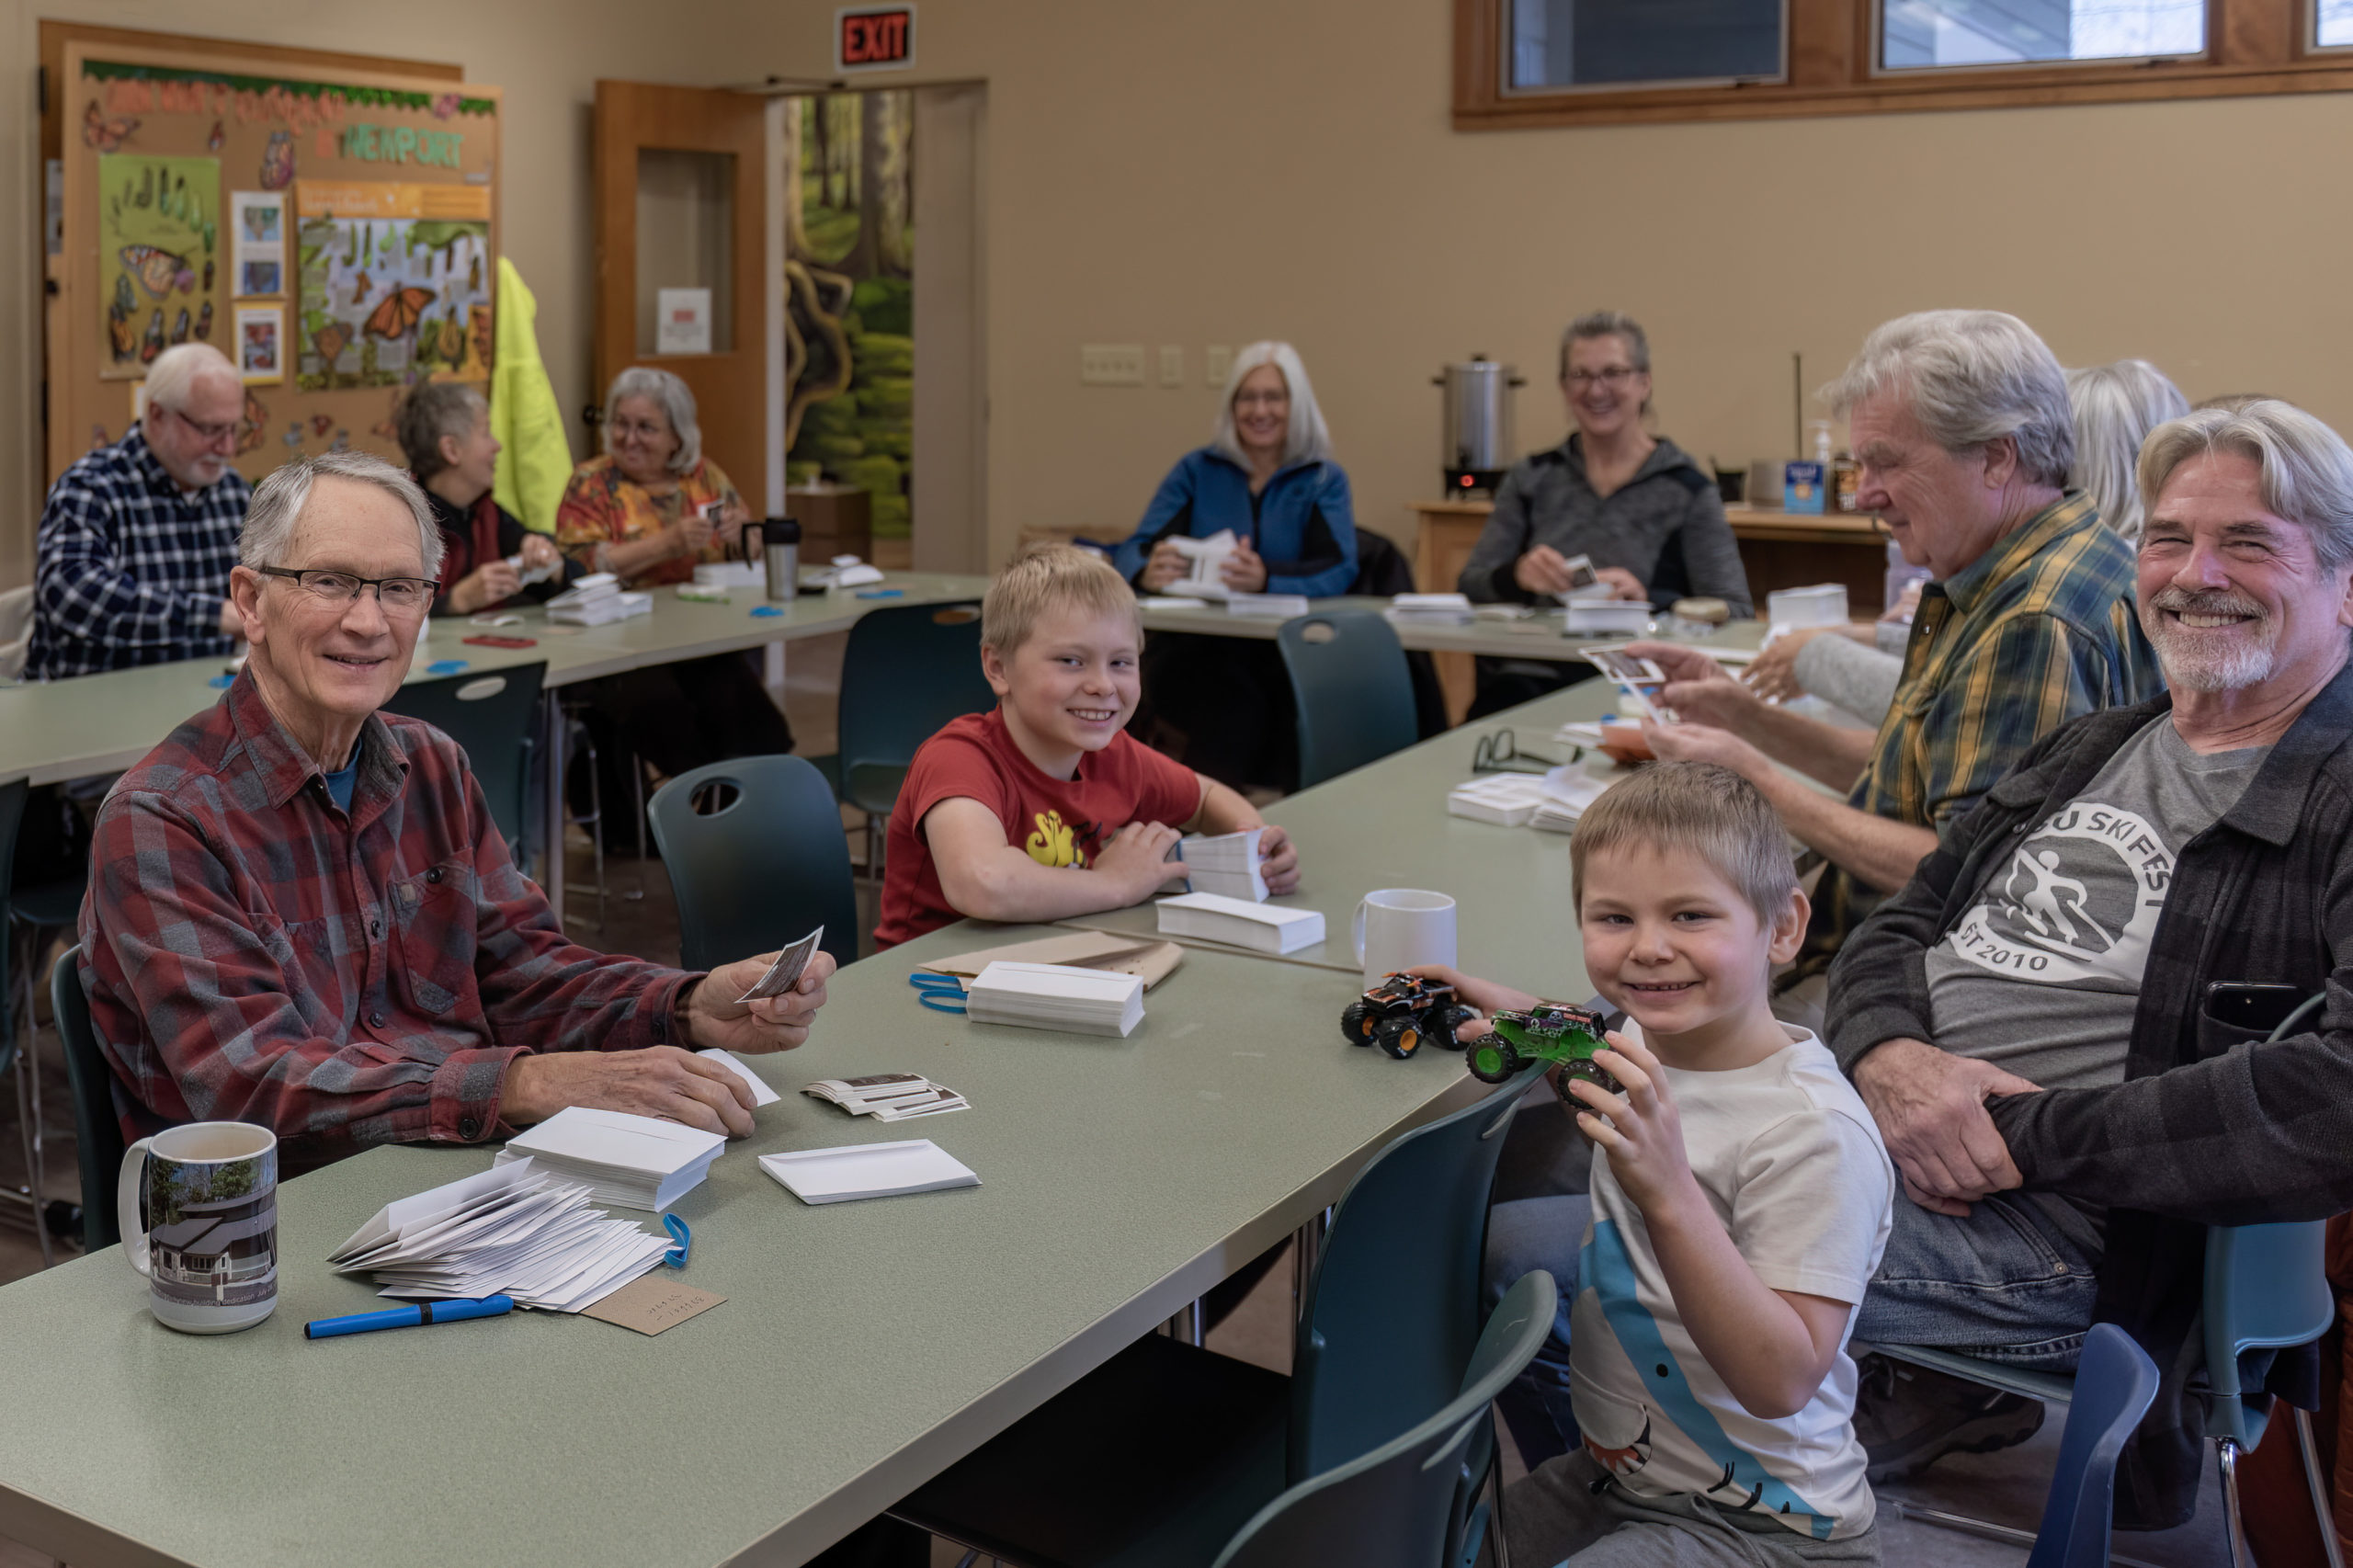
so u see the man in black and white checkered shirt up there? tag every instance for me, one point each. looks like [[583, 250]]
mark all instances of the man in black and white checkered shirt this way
[[138, 537]]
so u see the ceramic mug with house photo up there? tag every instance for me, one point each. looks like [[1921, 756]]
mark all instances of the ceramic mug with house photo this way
[[198, 1210]]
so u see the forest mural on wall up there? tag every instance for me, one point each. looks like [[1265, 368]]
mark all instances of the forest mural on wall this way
[[849, 296]]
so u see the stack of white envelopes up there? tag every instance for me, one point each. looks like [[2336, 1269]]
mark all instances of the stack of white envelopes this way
[[1224, 863], [512, 1230], [1568, 793], [1266, 927], [1508, 799], [1430, 610], [868, 1170], [1056, 996], [632, 1162]]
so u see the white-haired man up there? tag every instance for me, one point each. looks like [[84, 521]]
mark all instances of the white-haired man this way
[[2061, 1021], [301, 915], [131, 565], [1960, 423]]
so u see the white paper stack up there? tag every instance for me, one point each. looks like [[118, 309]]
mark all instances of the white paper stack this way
[[1508, 799], [1793, 610], [867, 1170], [761, 1094], [1616, 617], [888, 1096], [1271, 606], [1266, 927], [1056, 996], [1204, 575], [1224, 863], [842, 571], [513, 1230], [632, 1162], [1430, 610], [1566, 794], [596, 601], [731, 573]]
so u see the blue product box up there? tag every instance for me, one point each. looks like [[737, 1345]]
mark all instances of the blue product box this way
[[1801, 488]]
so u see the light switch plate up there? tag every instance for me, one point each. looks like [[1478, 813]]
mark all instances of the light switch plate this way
[[1217, 363], [1110, 364], [1172, 365]]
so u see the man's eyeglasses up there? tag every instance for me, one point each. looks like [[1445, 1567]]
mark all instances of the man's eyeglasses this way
[[210, 434], [397, 594], [1615, 376]]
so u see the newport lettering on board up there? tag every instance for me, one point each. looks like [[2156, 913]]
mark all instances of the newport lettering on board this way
[[874, 38]]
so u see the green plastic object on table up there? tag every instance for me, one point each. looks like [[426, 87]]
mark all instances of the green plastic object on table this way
[[1404, 1011], [1548, 1032]]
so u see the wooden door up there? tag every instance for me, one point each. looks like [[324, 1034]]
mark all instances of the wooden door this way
[[681, 183]]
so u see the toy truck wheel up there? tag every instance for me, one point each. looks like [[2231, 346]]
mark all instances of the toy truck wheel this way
[[1591, 1072], [1399, 1037], [1457, 1016], [1492, 1059], [1356, 1023]]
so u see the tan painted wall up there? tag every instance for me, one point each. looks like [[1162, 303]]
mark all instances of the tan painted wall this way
[[1212, 171]]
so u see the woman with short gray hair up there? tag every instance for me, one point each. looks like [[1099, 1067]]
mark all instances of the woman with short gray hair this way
[[445, 433], [651, 508], [1634, 505]]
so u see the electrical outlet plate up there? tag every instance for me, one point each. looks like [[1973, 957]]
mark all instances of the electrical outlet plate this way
[[1110, 364], [1172, 365], [1217, 363]]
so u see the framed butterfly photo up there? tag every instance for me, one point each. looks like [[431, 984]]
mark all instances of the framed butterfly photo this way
[[257, 244]]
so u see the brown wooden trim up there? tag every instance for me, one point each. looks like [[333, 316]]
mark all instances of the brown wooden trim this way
[[55, 36], [2255, 48]]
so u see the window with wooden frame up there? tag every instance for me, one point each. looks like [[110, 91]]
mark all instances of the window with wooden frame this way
[[1531, 63]]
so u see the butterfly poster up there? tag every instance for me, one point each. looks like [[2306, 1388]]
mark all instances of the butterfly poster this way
[[160, 255], [390, 280]]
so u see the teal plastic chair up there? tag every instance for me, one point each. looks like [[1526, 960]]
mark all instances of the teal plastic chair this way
[[907, 672], [1351, 689], [1166, 1451], [756, 854], [495, 716], [2115, 1383], [1394, 1506], [98, 1135]]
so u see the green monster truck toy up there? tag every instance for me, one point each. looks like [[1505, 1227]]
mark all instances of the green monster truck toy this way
[[1546, 1032], [1402, 1012]]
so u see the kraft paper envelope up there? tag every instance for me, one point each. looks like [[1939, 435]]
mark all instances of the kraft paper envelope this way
[[1149, 957]]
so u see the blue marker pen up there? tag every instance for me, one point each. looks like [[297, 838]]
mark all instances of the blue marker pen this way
[[410, 1316]]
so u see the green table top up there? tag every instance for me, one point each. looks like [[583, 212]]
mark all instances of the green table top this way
[[862, 1349], [104, 724], [1537, 636]]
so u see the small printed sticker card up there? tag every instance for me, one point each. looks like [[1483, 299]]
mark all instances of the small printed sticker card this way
[[783, 973]]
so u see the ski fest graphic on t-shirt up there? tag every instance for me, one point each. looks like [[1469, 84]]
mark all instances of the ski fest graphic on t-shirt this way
[[2079, 903]]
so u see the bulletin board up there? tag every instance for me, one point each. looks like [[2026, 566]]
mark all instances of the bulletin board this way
[[333, 232]]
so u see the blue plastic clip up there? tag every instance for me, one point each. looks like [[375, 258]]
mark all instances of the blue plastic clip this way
[[677, 1256], [765, 611], [884, 594], [934, 990], [445, 666]]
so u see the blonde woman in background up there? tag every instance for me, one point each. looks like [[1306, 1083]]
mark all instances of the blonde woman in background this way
[[2114, 407]]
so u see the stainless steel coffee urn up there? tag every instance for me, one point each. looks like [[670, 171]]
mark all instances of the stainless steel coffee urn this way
[[1477, 449], [779, 548]]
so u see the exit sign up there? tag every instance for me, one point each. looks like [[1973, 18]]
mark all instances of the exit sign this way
[[874, 38]]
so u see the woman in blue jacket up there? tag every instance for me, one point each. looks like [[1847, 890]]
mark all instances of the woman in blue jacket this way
[[1268, 477]]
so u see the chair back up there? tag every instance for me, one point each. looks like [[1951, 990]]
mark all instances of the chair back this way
[[97, 1134], [906, 671], [1351, 691], [16, 630], [1393, 1315], [12, 817], [1392, 1507], [2115, 1383], [763, 864], [2266, 1289], [495, 717]]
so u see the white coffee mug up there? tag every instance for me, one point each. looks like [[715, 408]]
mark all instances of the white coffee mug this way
[[1399, 927], [199, 1211]]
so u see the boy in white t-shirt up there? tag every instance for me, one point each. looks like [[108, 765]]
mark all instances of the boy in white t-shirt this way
[[1740, 1202]]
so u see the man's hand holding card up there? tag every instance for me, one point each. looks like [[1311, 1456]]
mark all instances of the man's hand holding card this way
[[775, 1000]]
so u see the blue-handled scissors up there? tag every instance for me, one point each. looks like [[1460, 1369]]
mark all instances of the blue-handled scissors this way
[[934, 992], [677, 1256]]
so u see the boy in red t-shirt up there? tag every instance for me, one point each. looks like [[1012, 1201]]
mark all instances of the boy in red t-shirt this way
[[1047, 807]]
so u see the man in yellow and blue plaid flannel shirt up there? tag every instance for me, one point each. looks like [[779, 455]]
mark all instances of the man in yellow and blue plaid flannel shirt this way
[[1960, 425]]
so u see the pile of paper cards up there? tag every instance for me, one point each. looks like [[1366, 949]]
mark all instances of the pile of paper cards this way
[[888, 1096], [868, 1170], [1430, 610], [1055, 997], [596, 601], [1568, 793], [1508, 799], [1264, 928], [513, 1230], [1223, 863], [1272, 607], [632, 1162], [1204, 575]]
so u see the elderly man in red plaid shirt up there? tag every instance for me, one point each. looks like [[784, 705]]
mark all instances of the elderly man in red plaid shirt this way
[[301, 915]]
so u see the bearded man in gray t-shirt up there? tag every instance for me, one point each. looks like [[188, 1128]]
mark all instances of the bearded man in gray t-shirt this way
[[2044, 1022]]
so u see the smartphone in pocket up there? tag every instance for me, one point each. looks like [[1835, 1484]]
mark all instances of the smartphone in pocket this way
[[2260, 1006]]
